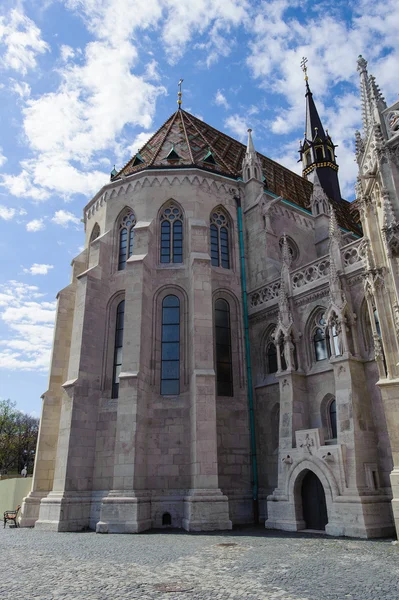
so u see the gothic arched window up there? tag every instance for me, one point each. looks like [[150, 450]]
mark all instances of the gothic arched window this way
[[332, 417], [126, 236], [120, 318], [171, 234], [224, 371], [95, 233], [220, 252], [292, 248], [319, 154], [170, 348], [271, 354]]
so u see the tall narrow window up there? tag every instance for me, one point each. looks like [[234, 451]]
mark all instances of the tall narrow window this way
[[170, 351], [126, 236], [333, 419], [120, 318], [171, 234], [224, 372], [272, 358], [220, 252]]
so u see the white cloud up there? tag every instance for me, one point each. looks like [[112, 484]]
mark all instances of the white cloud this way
[[279, 42], [186, 18], [3, 159], [21, 88], [7, 213], [83, 116], [152, 71], [29, 320], [221, 100], [38, 269], [139, 141], [21, 185], [238, 126], [35, 225], [20, 42], [66, 52], [65, 218]]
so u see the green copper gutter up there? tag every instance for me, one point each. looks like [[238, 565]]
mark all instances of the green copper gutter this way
[[248, 363]]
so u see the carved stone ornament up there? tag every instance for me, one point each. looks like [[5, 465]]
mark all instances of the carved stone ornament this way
[[378, 352], [307, 444], [374, 280], [319, 200], [393, 120], [391, 238], [396, 318]]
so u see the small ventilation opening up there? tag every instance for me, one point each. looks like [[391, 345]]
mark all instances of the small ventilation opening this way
[[138, 160], [166, 519], [172, 154]]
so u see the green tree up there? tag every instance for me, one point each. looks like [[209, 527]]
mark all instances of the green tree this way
[[18, 438]]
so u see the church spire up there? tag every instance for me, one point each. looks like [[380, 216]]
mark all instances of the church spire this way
[[373, 101], [317, 151], [251, 165]]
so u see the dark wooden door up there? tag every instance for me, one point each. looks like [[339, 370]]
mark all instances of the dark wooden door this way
[[314, 502]]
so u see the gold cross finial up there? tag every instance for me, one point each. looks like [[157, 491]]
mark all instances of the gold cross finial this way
[[179, 93], [304, 67]]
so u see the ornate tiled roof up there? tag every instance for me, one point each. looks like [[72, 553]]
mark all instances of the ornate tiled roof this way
[[184, 140]]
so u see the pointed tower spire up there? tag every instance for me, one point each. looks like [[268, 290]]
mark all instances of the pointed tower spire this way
[[365, 94], [250, 144], [376, 94], [251, 165], [317, 151]]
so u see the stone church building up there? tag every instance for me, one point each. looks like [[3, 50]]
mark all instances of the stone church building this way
[[227, 349]]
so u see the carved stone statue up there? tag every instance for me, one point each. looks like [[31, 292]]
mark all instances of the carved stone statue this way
[[393, 120]]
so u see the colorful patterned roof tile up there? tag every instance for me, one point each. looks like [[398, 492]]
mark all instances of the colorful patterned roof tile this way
[[192, 140]]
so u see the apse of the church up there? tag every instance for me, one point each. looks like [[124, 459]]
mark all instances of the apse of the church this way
[[227, 349]]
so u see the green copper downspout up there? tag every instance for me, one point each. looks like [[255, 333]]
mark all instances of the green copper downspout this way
[[248, 362]]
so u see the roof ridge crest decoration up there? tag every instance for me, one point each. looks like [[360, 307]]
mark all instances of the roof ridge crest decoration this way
[[186, 136]]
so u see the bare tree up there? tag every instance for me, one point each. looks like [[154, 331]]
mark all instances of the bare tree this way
[[18, 438]]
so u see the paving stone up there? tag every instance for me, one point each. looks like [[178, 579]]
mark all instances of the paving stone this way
[[262, 565]]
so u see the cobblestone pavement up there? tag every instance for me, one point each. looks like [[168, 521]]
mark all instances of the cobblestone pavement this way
[[251, 563]]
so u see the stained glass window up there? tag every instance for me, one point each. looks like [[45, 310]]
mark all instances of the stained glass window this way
[[224, 371], [120, 318], [171, 234], [126, 237], [219, 231], [170, 350]]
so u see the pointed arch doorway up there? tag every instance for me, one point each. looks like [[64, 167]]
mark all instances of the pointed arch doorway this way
[[314, 505]]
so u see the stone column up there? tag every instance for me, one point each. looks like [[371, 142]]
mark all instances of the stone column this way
[[43, 474], [390, 396], [366, 509], [67, 507], [127, 508], [294, 416], [205, 507]]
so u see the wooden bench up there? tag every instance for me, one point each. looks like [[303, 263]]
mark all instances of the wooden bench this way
[[11, 515]]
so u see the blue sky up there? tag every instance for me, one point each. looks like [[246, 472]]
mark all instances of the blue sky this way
[[83, 83]]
